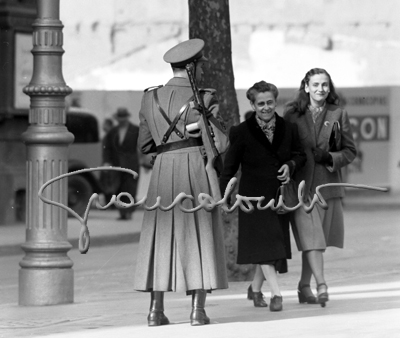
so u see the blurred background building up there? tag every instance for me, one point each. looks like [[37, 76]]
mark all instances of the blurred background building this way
[[118, 44]]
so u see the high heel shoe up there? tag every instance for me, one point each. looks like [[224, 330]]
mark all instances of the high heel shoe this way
[[250, 292], [303, 298], [322, 297]]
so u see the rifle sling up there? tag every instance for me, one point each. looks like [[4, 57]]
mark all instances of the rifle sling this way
[[209, 135], [175, 121], [172, 125]]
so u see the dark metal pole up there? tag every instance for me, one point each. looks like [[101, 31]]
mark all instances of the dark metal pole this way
[[46, 276]]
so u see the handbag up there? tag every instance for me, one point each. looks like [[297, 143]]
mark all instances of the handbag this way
[[335, 139], [289, 196]]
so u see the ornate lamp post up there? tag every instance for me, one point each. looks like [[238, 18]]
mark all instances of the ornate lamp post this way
[[46, 276]]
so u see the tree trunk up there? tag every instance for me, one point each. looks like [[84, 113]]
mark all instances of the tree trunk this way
[[209, 20]]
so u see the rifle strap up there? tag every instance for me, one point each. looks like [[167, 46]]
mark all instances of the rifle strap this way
[[175, 121], [157, 101], [172, 125]]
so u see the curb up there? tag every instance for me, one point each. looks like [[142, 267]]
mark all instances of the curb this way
[[98, 241]]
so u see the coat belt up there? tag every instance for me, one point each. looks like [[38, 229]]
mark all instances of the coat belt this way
[[191, 142]]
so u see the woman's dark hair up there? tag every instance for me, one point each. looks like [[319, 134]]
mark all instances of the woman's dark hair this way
[[261, 87], [302, 100]]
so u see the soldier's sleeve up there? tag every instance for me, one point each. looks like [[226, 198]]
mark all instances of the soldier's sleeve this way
[[146, 142]]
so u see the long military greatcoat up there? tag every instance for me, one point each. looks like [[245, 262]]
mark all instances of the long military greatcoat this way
[[178, 251]]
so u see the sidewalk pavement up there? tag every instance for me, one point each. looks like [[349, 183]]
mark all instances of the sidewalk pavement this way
[[354, 311]]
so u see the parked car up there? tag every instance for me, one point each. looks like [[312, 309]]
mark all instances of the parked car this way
[[84, 153]]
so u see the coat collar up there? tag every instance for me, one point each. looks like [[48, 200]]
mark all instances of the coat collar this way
[[324, 121], [259, 135], [178, 81]]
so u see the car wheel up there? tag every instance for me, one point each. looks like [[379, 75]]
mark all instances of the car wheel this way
[[79, 193]]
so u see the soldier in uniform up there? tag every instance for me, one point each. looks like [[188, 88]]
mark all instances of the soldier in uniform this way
[[178, 251]]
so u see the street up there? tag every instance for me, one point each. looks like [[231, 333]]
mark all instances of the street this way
[[363, 280]]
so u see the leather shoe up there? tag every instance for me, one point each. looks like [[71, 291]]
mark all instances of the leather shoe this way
[[276, 303], [250, 292], [258, 299], [157, 318]]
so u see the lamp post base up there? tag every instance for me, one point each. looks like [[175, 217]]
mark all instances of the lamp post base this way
[[46, 286]]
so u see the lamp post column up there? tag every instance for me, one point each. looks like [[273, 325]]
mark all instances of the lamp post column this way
[[46, 276]]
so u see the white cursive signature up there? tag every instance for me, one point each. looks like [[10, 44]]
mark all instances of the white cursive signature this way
[[205, 201]]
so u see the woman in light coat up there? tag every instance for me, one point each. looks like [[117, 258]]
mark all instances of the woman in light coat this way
[[315, 111]]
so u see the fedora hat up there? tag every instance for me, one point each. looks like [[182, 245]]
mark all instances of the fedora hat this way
[[122, 112]]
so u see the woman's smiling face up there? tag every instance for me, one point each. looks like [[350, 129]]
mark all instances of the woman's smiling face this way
[[318, 89], [264, 105]]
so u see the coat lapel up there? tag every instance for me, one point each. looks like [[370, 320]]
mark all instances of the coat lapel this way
[[319, 123], [125, 140], [279, 134], [310, 126], [326, 123], [259, 135]]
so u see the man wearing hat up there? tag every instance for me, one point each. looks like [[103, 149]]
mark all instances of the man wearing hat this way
[[120, 150], [178, 251]]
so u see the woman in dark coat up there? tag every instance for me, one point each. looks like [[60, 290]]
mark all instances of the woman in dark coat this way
[[268, 150], [315, 111]]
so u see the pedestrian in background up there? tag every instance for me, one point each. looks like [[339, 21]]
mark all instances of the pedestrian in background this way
[[108, 124], [107, 180], [316, 111], [178, 251], [120, 149], [268, 150]]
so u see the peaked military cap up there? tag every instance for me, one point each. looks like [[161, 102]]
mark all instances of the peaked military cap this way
[[185, 52]]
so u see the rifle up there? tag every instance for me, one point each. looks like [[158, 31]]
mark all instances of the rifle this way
[[207, 136]]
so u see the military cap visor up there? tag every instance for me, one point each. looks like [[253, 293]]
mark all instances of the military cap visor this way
[[185, 52]]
